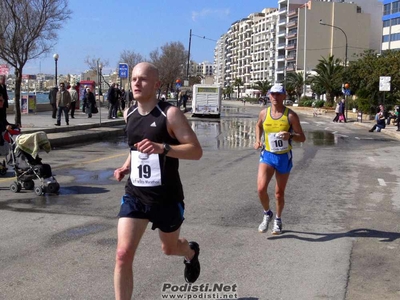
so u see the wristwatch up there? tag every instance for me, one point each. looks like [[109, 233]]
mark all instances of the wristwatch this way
[[167, 147]]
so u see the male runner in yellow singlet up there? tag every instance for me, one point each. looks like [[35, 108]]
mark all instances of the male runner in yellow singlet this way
[[280, 126]]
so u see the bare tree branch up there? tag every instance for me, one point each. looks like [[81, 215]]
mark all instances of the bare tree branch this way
[[28, 29]]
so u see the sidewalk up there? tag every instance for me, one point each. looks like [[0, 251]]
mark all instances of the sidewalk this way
[[390, 130], [80, 129]]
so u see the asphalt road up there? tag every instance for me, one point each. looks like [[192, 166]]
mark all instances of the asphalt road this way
[[341, 220]]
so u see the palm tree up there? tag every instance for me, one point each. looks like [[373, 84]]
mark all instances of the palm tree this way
[[295, 82], [228, 91], [238, 82], [329, 77], [263, 87]]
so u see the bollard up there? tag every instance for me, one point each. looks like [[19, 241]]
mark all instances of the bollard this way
[[359, 116]]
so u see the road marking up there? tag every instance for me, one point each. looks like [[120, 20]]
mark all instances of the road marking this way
[[367, 138], [320, 122], [371, 158], [381, 182], [334, 132], [304, 122]]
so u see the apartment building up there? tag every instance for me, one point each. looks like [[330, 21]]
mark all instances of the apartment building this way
[[267, 45], [391, 25]]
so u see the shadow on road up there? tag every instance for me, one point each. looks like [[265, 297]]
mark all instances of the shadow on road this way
[[325, 237]]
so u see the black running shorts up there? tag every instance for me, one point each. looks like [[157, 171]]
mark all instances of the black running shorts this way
[[166, 217]]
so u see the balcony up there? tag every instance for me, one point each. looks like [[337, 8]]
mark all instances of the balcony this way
[[281, 45], [281, 57], [292, 13], [291, 47], [291, 57], [291, 24], [291, 35]]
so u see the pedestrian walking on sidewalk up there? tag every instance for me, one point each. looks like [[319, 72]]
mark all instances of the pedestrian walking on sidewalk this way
[[112, 102], [337, 111], [342, 110], [158, 135], [279, 126], [90, 102], [53, 101], [63, 102], [74, 99]]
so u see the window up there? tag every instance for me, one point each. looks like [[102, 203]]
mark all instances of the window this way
[[385, 38], [395, 21], [386, 9], [395, 7], [386, 23], [395, 37]]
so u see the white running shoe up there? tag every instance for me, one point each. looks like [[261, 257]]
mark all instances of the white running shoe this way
[[277, 229], [264, 224]]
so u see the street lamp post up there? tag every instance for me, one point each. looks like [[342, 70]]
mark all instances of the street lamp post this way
[[55, 56], [100, 67], [345, 54]]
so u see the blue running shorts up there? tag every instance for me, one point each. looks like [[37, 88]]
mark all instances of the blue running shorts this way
[[167, 217], [280, 162]]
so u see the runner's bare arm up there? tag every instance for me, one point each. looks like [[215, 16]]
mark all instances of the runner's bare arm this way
[[120, 173], [259, 130], [297, 133]]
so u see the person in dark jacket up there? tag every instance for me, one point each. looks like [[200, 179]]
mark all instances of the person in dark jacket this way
[[90, 102], [3, 92], [52, 99], [4, 125], [112, 102]]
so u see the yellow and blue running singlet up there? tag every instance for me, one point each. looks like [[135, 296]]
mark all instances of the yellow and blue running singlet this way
[[271, 126]]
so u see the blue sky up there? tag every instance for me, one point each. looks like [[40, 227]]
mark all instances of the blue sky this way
[[103, 29]]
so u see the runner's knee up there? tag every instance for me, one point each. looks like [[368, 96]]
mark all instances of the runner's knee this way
[[124, 255]]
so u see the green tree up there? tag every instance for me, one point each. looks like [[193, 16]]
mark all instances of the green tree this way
[[295, 82], [238, 83], [329, 77], [28, 30], [263, 87], [364, 74], [228, 91]]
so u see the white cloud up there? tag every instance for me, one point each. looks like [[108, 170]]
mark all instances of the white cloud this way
[[219, 13]]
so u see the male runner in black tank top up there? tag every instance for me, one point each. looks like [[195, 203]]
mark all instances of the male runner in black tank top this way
[[158, 135]]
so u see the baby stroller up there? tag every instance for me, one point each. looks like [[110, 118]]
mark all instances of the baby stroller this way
[[28, 166]]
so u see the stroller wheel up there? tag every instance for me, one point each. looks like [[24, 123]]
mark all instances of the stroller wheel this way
[[53, 188], [15, 187], [28, 185], [39, 191]]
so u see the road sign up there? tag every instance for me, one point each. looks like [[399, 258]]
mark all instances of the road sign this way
[[384, 83], [123, 70]]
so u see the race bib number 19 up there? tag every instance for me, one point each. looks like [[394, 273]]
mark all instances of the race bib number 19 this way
[[145, 169]]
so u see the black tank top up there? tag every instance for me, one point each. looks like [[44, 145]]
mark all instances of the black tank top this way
[[154, 127]]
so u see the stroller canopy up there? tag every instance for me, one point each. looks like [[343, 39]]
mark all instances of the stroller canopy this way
[[33, 142]]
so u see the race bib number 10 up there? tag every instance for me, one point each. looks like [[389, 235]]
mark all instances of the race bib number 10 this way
[[145, 169], [276, 144]]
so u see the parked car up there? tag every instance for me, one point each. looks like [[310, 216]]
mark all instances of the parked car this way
[[288, 102]]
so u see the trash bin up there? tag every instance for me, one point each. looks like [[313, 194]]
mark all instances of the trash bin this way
[[354, 110]]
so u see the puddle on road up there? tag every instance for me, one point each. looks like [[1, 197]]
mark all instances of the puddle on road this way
[[321, 138], [240, 134], [94, 177]]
